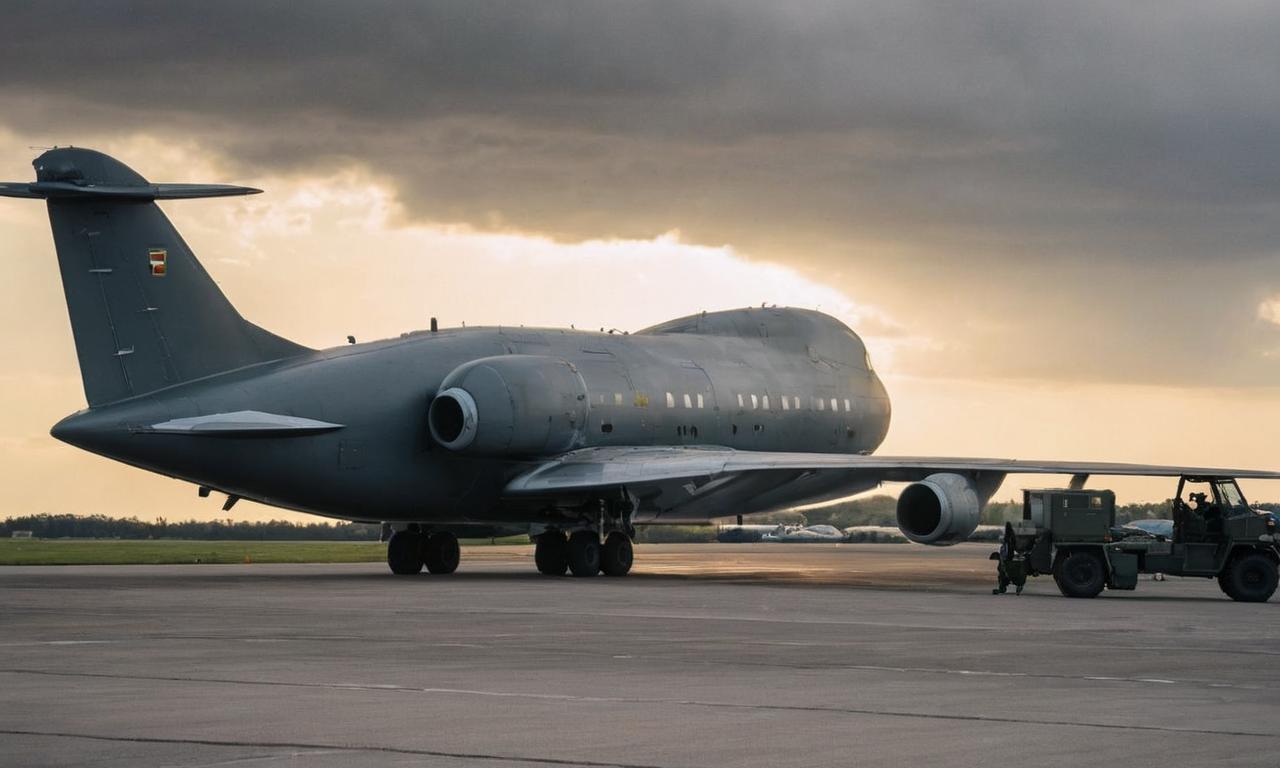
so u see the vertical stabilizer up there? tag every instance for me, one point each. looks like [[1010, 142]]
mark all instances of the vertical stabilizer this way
[[144, 313]]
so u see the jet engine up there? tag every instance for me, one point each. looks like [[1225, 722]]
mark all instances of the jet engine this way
[[511, 405], [941, 509]]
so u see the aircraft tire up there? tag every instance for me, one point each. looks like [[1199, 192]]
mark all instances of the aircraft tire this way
[[617, 555], [404, 554], [440, 552], [1249, 578], [551, 553], [1081, 573], [584, 553]]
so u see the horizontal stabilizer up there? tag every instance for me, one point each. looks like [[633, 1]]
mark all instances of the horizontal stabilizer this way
[[64, 189], [241, 424], [17, 189]]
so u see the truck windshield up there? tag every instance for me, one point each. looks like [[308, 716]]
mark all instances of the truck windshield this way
[[1230, 496]]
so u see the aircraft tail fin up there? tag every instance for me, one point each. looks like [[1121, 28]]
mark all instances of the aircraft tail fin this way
[[144, 313]]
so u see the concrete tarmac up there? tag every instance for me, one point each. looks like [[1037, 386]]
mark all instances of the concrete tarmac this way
[[707, 655]]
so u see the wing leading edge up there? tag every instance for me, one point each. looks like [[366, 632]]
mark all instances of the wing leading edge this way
[[694, 482], [602, 467]]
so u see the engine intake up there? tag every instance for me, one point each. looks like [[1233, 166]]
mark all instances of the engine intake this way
[[942, 509], [512, 405]]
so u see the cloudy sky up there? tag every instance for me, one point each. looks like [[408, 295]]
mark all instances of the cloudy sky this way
[[1056, 224]]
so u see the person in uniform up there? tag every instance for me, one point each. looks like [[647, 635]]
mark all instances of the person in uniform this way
[[1011, 565]]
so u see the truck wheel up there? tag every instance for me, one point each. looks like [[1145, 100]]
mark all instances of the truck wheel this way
[[1249, 578], [1081, 573]]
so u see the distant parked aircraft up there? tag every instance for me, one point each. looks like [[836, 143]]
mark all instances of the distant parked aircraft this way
[[1155, 527], [809, 534]]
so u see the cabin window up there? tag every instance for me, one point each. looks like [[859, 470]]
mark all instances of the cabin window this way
[[740, 400], [599, 399], [671, 400], [699, 400], [688, 401], [766, 402], [617, 398], [606, 427], [735, 429], [834, 407], [822, 404], [694, 430], [796, 403], [755, 402], [847, 408], [786, 404], [758, 428]]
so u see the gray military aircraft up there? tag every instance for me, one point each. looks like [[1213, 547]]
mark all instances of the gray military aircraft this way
[[570, 435]]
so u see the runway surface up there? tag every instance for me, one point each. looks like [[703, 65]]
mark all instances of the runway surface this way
[[708, 655]]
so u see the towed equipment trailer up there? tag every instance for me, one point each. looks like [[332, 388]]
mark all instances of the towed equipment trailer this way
[[1072, 534]]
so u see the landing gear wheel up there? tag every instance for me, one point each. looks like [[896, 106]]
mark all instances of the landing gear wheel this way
[[1249, 578], [1080, 574], [616, 556], [551, 553], [584, 553], [440, 552], [404, 553]]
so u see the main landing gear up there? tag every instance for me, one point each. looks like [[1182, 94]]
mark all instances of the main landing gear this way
[[582, 553], [409, 550]]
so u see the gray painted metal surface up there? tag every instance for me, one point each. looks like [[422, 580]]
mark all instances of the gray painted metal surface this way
[[705, 416]]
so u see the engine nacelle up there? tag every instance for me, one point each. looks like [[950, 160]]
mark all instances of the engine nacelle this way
[[941, 509], [511, 405]]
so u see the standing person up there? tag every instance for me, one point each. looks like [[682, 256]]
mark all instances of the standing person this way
[[1011, 567]]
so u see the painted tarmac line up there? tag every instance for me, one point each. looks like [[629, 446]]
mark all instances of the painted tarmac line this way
[[859, 711], [294, 745]]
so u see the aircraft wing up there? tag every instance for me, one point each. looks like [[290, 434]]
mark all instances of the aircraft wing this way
[[696, 483]]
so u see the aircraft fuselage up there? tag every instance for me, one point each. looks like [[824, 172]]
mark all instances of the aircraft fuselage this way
[[757, 379]]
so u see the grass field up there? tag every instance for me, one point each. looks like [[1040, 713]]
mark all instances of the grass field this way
[[155, 552]]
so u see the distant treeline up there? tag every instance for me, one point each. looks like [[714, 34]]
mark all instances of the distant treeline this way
[[103, 527], [870, 510]]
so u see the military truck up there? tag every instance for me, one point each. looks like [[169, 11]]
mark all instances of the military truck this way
[[1072, 534]]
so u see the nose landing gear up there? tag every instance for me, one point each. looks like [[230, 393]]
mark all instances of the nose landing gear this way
[[404, 553], [409, 550], [441, 553]]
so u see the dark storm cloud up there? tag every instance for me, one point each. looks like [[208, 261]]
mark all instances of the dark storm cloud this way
[[1048, 117], [977, 138]]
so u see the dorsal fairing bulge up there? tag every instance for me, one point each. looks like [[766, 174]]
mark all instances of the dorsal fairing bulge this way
[[822, 337]]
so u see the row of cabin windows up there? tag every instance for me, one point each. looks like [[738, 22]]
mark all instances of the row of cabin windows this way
[[756, 402], [688, 401], [793, 403]]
